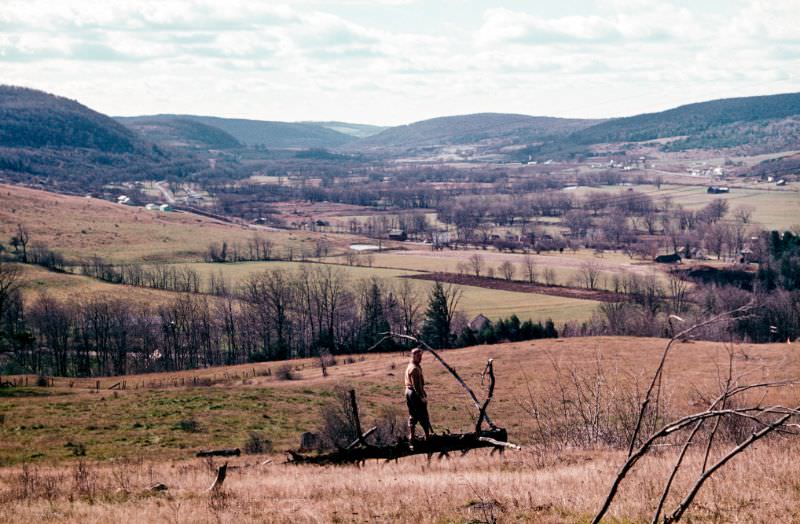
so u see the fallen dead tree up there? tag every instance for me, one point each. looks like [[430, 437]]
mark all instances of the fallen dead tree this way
[[232, 452], [442, 445]]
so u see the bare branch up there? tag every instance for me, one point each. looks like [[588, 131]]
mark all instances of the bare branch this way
[[452, 371], [684, 504]]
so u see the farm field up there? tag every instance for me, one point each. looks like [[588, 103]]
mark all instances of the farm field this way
[[37, 281], [492, 303], [567, 265], [773, 208], [80, 227], [144, 429]]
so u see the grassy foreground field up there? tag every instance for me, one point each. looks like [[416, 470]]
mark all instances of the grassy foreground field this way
[[144, 430]]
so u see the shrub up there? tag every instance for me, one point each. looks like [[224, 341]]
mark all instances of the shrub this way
[[338, 427], [391, 425], [189, 425], [285, 372], [42, 382], [78, 448], [327, 360], [256, 443]]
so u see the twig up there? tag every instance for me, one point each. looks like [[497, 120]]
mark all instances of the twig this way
[[684, 504], [663, 432], [663, 360]]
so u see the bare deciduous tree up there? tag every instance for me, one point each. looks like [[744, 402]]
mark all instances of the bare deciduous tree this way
[[507, 270], [529, 268], [590, 274], [476, 263]]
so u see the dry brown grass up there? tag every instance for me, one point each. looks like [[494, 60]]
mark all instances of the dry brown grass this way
[[236, 401], [542, 484], [761, 486], [79, 227], [37, 281]]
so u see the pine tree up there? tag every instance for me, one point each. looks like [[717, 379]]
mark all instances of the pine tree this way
[[438, 317]]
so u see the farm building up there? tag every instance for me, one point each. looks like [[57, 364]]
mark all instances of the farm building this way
[[478, 323], [397, 234], [716, 190], [674, 258]]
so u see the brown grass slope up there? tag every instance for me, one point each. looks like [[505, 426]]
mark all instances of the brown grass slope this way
[[80, 227], [140, 428], [241, 398]]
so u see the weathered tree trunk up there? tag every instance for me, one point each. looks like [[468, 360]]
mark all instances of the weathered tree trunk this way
[[436, 444]]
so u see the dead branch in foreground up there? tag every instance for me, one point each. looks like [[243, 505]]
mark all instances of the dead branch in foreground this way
[[422, 344], [765, 419]]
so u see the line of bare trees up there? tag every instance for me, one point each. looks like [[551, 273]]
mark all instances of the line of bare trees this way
[[274, 315]]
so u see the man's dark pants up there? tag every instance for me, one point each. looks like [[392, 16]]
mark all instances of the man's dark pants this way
[[417, 411]]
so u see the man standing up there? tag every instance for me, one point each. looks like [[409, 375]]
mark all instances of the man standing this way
[[416, 399]]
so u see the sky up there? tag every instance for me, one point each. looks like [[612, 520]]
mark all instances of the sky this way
[[391, 62]]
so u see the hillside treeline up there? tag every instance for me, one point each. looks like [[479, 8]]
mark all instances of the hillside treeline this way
[[275, 315]]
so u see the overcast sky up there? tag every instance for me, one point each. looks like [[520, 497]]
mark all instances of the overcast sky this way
[[396, 61]]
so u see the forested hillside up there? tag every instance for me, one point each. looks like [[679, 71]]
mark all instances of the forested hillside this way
[[691, 119], [470, 129], [30, 118], [58, 143], [174, 131], [276, 135]]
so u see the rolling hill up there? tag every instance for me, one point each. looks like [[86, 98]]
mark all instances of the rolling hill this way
[[174, 131], [356, 130], [275, 135], [690, 120], [34, 119], [494, 128], [59, 143]]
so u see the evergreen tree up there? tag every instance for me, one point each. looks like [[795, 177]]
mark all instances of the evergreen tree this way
[[438, 318]]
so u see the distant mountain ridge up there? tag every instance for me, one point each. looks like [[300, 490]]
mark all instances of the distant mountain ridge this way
[[356, 130], [275, 135], [768, 122], [470, 129], [45, 138], [175, 131]]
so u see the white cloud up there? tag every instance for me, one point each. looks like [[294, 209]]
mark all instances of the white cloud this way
[[348, 59]]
